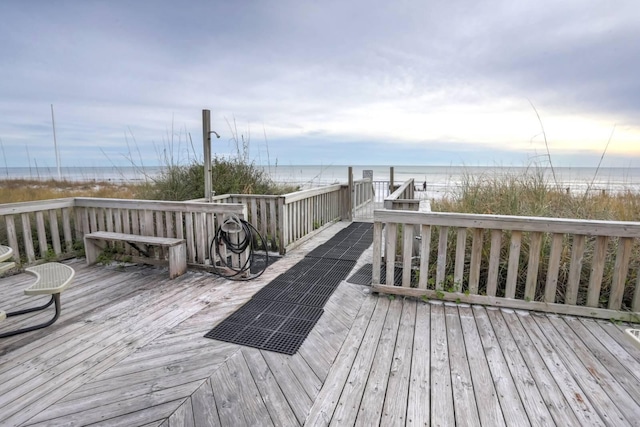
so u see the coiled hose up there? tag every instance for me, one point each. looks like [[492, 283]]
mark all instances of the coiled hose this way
[[226, 235]]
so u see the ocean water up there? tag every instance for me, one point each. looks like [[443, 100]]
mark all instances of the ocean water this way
[[439, 180]]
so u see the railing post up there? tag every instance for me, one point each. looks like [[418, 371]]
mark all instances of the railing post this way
[[350, 203], [377, 252], [206, 148], [283, 223]]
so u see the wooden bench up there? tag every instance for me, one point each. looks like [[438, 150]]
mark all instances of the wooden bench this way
[[177, 248], [51, 279]]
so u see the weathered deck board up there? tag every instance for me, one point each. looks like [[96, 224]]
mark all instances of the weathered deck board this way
[[347, 409], [512, 407], [442, 406], [529, 394], [419, 405], [324, 405], [376, 386], [129, 350], [487, 400], [466, 410], [591, 388], [395, 403], [544, 380], [275, 401]]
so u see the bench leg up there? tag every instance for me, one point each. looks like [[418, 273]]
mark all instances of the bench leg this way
[[54, 298], [91, 250], [177, 260]]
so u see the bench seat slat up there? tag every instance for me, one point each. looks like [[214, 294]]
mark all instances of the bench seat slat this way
[[150, 240], [51, 278]]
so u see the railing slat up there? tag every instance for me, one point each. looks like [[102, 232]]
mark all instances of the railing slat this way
[[442, 257], [494, 262], [191, 244], [461, 245], [597, 270], [407, 231], [159, 224], [12, 237], [264, 224], [425, 248], [117, 220], [109, 219], [168, 222], [28, 240], [93, 218], [100, 214], [535, 246], [42, 234], [54, 231], [179, 225], [66, 228], [476, 259], [201, 237], [555, 257], [390, 250], [146, 223], [575, 269], [514, 261], [620, 270], [273, 225]]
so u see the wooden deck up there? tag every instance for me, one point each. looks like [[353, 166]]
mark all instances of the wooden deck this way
[[129, 350]]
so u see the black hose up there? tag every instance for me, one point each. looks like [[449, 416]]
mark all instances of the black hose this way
[[223, 237]]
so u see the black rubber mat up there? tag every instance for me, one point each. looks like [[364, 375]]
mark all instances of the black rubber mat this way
[[280, 316], [347, 244], [260, 261], [364, 275], [313, 287], [268, 325]]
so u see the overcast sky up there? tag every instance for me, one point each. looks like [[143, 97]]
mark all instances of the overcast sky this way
[[441, 82]]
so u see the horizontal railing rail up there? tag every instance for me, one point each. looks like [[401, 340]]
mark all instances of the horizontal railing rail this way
[[581, 267]]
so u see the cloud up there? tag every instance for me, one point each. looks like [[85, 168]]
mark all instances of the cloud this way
[[322, 80]]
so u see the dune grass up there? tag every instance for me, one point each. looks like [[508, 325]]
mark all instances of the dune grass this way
[[531, 194], [25, 190]]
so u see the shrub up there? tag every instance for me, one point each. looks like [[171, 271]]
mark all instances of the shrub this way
[[230, 176]]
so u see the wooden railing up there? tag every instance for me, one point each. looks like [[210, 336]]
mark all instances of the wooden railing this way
[[67, 220], [286, 221], [362, 193], [580, 267], [42, 225], [381, 190], [307, 212], [402, 198]]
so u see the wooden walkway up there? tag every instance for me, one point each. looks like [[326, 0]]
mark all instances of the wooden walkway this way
[[129, 350]]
